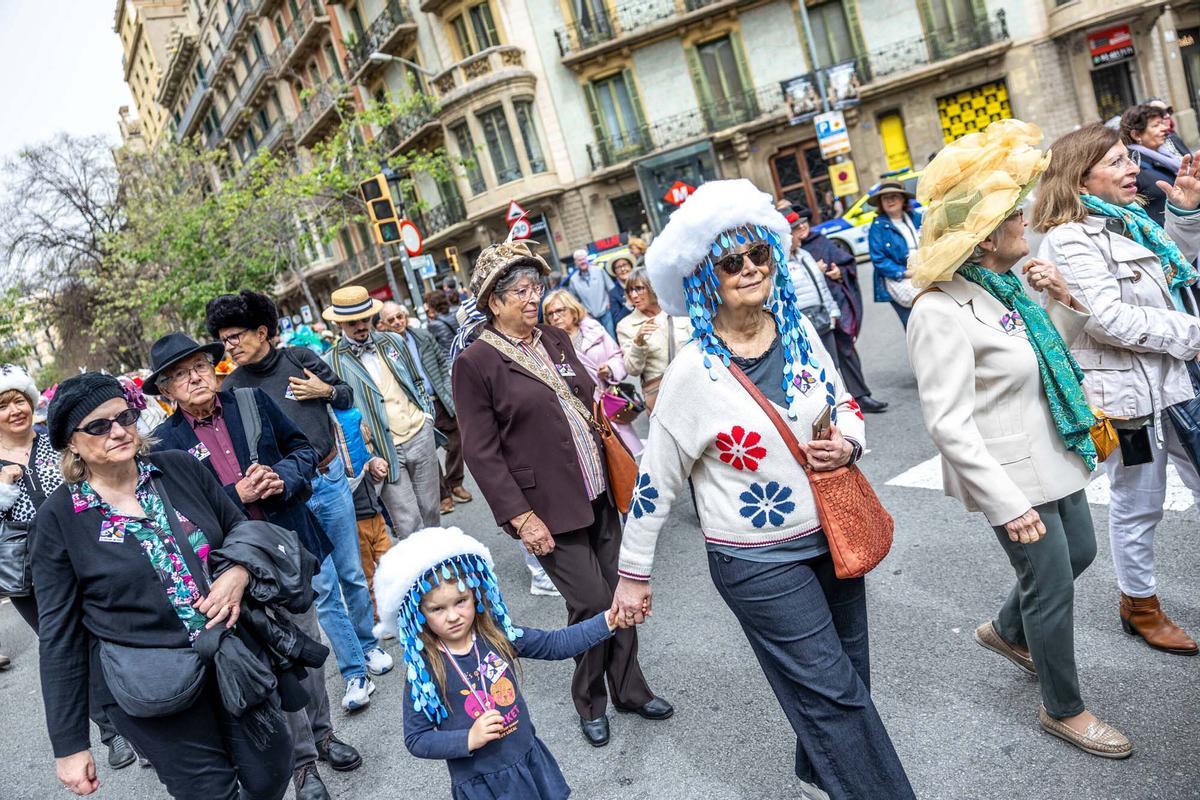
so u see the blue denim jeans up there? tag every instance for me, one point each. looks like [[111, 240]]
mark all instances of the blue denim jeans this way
[[902, 313], [808, 630], [347, 625]]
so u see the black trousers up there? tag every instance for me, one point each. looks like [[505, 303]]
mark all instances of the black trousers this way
[[27, 607], [453, 473], [202, 753], [850, 365], [583, 567]]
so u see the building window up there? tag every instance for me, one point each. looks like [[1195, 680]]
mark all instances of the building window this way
[[528, 128], [725, 97], [831, 33], [332, 58], [356, 21], [616, 113], [953, 18], [500, 145], [466, 151], [256, 43], [475, 30]]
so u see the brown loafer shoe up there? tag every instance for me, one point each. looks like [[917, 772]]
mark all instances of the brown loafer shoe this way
[[988, 638], [1100, 738], [461, 495], [447, 506], [1144, 617]]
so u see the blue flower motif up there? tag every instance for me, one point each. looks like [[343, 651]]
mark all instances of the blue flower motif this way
[[766, 503], [644, 496]]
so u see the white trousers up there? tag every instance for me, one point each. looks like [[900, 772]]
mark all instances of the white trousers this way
[[1136, 507]]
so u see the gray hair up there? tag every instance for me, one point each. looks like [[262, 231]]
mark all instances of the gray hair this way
[[507, 281], [641, 276]]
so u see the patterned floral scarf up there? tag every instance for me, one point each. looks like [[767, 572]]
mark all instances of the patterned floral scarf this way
[[1062, 377], [1150, 235]]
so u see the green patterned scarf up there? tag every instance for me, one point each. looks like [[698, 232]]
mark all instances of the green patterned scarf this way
[[1062, 377], [1150, 235]]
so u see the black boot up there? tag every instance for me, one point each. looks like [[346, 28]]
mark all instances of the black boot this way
[[340, 756], [870, 405], [120, 754], [308, 783]]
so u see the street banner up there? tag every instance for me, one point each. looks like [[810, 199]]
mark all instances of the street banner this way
[[842, 84], [831, 134], [803, 101]]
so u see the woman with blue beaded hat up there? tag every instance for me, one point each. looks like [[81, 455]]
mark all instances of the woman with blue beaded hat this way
[[461, 648], [721, 261]]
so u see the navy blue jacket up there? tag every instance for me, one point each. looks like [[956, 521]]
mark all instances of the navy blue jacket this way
[[889, 251], [616, 302], [282, 447], [1151, 173], [846, 290]]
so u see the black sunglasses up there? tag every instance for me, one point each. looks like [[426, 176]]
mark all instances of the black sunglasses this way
[[731, 264], [100, 427]]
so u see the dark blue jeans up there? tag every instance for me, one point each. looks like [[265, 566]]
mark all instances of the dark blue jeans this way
[[902, 313], [809, 632]]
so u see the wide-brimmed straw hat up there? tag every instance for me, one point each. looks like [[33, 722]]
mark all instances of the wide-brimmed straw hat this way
[[350, 303], [497, 260], [969, 189], [886, 188]]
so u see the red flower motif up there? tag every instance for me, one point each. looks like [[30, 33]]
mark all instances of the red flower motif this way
[[740, 448], [853, 406]]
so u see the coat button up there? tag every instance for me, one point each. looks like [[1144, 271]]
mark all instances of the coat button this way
[[1144, 339], [575, 389], [1137, 276]]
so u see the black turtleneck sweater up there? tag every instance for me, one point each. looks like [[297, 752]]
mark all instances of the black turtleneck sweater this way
[[311, 416]]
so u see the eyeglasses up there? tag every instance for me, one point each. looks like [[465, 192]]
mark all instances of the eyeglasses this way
[[555, 313], [232, 339], [527, 293], [181, 374], [636, 289], [731, 264], [100, 427]]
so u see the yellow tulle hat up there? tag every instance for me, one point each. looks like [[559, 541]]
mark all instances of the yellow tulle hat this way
[[969, 189]]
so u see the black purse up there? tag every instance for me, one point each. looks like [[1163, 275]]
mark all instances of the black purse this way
[[1185, 417], [16, 574], [157, 681]]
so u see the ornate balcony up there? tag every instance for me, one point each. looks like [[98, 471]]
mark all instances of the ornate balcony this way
[[303, 32], [280, 133], [439, 218], [410, 126], [357, 264], [933, 47], [623, 25], [385, 34], [192, 115], [504, 64], [712, 119], [319, 112], [238, 111], [233, 31], [182, 49]]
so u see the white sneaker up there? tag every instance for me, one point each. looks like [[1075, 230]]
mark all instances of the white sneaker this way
[[378, 661], [358, 694], [541, 586], [809, 791]]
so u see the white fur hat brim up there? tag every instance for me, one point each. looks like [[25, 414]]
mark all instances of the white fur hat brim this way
[[13, 377], [409, 559], [715, 207]]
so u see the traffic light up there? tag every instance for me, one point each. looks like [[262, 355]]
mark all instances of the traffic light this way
[[385, 220], [452, 257]]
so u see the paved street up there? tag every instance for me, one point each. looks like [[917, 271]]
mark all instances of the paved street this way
[[962, 719]]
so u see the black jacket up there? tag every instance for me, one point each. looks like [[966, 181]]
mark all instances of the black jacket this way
[[846, 290], [282, 447], [109, 590], [1153, 170]]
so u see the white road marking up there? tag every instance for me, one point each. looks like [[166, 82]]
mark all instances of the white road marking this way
[[928, 475]]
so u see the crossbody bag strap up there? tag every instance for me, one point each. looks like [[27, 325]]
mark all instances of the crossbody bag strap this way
[[539, 371], [181, 540], [670, 339], [789, 438]]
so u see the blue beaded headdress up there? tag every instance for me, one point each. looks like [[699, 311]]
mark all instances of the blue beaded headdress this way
[[409, 570]]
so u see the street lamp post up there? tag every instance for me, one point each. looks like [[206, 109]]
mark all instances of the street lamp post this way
[[383, 58]]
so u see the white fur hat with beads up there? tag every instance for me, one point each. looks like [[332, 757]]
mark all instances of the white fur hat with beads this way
[[691, 234]]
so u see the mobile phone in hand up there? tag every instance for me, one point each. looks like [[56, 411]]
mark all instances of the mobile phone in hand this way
[[820, 429]]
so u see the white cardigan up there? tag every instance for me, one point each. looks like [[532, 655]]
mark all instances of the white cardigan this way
[[983, 401], [749, 490]]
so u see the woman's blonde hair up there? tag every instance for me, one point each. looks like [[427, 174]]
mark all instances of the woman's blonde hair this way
[[1074, 155], [485, 629], [569, 302], [75, 469]]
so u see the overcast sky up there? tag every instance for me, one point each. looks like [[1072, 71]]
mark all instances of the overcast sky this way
[[60, 70]]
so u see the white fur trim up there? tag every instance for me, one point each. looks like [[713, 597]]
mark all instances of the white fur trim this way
[[13, 377], [409, 559], [9, 492], [717, 206]]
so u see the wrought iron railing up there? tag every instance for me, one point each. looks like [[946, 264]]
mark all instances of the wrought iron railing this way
[[709, 119], [380, 31], [274, 134], [189, 116], [619, 20], [310, 10], [318, 104], [253, 79], [408, 123], [439, 217], [935, 46], [237, 15]]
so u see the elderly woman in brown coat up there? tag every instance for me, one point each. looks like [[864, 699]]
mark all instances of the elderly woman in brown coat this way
[[542, 468]]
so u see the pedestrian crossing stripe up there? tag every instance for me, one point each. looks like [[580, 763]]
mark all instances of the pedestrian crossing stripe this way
[[928, 475]]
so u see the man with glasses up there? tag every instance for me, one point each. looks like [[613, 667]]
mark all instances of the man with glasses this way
[[386, 385], [210, 425]]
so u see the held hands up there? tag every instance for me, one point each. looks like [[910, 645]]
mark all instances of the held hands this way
[[224, 600], [77, 772], [310, 388], [828, 454], [11, 473], [378, 468], [1185, 194], [1045, 277], [631, 604], [534, 534], [260, 483], [486, 729], [1026, 529]]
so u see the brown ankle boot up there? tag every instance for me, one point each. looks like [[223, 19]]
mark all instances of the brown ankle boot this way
[[1144, 617]]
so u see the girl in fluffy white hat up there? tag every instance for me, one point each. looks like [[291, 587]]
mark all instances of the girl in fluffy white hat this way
[[461, 648]]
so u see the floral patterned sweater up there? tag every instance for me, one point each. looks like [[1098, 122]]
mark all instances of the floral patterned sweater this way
[[749, 490]]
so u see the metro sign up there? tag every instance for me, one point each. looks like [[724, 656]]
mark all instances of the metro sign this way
[[678, 192]]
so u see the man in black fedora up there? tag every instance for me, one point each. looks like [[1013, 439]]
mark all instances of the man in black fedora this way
[[266, 465]]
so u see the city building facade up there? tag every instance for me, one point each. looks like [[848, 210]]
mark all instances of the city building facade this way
[[144, 28]]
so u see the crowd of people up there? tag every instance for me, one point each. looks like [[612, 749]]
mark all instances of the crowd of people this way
[[183, 543]]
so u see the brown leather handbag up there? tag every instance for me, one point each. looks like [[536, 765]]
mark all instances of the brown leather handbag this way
[[857, 526]]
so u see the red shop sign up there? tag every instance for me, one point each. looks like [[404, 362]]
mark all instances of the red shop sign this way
[[1110, 45]]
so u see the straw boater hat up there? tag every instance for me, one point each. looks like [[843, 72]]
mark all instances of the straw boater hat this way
[[350, 303], [969, 189], [886, 188], [495, 261]]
